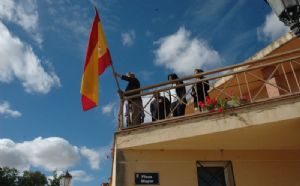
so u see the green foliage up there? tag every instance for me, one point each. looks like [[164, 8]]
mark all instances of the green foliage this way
[[32, 179], [235, 100], [11, 177], [55, 180], [222, 103], [8, 176]]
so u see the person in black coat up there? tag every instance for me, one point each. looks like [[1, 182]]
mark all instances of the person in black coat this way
[[178, 101], [159, 107], [199, 90], [135, 113]]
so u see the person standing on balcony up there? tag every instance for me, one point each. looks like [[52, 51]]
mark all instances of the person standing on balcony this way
[[177, 96], [199, 90], [159, 107], [134, 111]]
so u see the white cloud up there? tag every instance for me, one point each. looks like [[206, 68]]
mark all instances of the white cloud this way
[[6, 111], [146, 75], [72, 25], [95, 156], [128, 38], [6, 9], [23, 13], [18, 60], [182, 54], [48, 153], [109, 108], [271, 29], [58, 173], [71, 20], [79, 175], [51, 153], [10, 156]]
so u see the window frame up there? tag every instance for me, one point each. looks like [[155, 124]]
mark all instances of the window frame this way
[[227, 167]]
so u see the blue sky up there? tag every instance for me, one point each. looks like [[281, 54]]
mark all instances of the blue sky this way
[[42, 50]]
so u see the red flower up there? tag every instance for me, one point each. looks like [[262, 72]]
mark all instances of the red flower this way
[[214, 101], [201, 104], [208, 100], [220, 109]]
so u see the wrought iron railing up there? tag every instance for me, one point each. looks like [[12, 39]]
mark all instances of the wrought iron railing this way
[[271, 77]]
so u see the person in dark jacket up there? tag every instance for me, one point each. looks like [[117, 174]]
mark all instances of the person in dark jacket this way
[[135, 113], [159, 107], [177, 97], [199, 90]]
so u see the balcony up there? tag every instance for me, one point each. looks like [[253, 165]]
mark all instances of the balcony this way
[[255, 132], [267, 80], [264, 89]]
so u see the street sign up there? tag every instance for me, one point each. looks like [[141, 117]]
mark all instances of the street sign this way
[[147, 178]]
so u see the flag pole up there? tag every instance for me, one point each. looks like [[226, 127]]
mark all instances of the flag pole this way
[[114, 74]]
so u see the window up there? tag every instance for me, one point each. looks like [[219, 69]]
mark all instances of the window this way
[[215, 173]]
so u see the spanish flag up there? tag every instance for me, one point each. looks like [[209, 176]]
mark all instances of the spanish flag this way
[[96, 61]]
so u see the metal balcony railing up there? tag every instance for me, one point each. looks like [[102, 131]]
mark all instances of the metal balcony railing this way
[[269, 78]]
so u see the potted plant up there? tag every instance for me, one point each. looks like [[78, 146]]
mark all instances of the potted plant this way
[[209, 105]]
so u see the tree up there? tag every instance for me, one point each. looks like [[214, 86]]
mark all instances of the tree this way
[[32, 179], [55, 180], [11, 177], [8, 176]]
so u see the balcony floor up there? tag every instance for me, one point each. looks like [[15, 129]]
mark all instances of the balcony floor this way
[[271, 125]]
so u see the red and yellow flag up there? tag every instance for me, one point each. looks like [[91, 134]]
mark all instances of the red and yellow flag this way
[[96, 61]]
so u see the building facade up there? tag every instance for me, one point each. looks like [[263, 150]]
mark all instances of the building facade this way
[[246, 134]]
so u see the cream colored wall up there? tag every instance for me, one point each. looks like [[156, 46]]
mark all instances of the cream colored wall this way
[[178, 168], [267, 173]]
